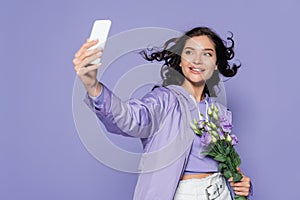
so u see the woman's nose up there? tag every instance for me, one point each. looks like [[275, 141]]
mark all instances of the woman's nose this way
[[197, 59]]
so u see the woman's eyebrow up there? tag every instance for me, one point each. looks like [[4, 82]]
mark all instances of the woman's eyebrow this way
[[208, 49], [205, 49], [189, 48]]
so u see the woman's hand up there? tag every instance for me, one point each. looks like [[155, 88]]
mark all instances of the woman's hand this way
[[241, 188], [86, 71]]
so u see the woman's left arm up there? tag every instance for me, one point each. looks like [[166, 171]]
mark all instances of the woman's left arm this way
[[243, 187]]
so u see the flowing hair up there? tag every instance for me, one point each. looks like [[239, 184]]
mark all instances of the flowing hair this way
[[170, 55]]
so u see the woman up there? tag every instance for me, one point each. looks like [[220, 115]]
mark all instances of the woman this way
[[192, 64]]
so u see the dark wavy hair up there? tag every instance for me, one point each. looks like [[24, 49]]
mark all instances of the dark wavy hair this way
[[170, 54]]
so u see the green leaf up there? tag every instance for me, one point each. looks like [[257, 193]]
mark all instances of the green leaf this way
[[208, 153], [220, 147], [240, 198], [237, 177], [236, 160], [227, 150], [220, 158], [227, 174], [212, 154], [222, 167]]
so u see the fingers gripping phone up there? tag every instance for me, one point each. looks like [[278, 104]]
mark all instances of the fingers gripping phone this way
[[100, 31]]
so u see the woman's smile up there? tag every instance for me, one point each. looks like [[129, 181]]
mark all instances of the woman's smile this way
[[197, 70]]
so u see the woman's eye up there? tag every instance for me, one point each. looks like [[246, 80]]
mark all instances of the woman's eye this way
[[207, 54], [188, 52]]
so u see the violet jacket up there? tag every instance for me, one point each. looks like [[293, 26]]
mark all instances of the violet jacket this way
[[161, 119]]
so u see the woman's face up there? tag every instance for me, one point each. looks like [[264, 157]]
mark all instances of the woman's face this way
[[198, 59]]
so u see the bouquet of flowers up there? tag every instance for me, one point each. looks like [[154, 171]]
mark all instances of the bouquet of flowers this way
[[215, 135]]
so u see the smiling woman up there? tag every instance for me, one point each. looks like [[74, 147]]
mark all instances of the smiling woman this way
[[198, 61], [192, 63], [199, 43]]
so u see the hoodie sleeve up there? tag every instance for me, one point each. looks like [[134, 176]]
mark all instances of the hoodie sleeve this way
[[133, 118]]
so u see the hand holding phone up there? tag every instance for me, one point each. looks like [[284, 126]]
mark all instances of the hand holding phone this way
[[100, 31]]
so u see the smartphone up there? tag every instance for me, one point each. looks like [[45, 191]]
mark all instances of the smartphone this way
[[100, 31]]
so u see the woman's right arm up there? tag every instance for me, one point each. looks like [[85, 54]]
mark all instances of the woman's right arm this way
[[134, 118]]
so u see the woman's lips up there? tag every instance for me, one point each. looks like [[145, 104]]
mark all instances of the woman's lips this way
[[196, 70]]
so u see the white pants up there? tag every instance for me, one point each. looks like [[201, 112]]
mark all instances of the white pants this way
[[209, 188]]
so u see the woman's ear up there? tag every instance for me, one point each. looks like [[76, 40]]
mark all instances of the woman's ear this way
[[180, 64], [216, 67]]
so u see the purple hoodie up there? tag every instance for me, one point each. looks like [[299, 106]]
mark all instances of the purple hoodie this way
[[161, 119]]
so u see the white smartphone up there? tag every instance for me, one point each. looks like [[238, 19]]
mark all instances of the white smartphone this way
[[100, 31]]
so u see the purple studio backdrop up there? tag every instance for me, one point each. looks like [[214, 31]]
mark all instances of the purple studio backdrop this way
[[41, 154]]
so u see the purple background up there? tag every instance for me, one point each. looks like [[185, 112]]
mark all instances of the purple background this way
[[41, 155]]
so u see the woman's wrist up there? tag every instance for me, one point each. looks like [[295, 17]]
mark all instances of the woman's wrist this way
[[95, 89]]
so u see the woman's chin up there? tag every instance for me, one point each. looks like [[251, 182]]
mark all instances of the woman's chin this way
[[195, 82]]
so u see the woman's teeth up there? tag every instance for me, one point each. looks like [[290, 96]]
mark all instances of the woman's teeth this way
[[197, 69]]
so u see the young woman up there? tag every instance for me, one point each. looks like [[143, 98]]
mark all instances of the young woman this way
[[191, 68]]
